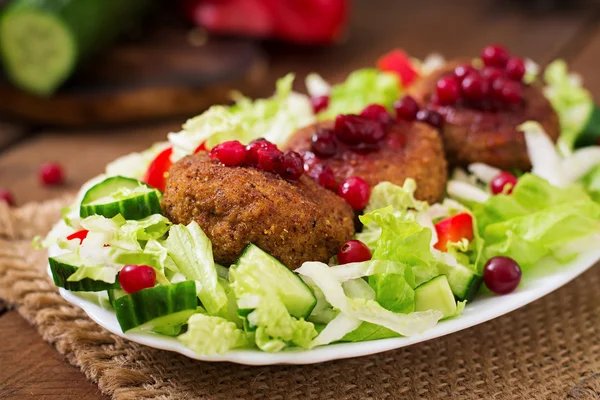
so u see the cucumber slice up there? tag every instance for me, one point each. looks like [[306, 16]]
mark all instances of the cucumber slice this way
[[42, 41], [120, 195], [163, 309], [297, 297], [114, 294], [65, 265], [48, 58], [590, 135], [435, 294], [464, 282]]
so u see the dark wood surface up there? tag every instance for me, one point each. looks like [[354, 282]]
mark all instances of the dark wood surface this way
[[454, 28], [172, 71]]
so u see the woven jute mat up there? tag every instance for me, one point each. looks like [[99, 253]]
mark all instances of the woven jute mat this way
[[547, 350]]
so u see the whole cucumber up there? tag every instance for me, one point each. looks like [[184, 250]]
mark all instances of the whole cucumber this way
[[43, 41]]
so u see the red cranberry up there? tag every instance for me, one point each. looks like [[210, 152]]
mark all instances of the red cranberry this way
[[431, 117], [406, 109], [501, 274], [353, 251], [7, 196], [474, 87], [515, 69], [319, 103], [292, 166], [491, 74], [356, 191], [52, 174], [326, 178], [494, 56], [229, 153], [447, 90], [269, 159], [462, 71], [324, 143], [501, 181], [507, 91], [134, 278], [355, 129], [253, 147], [377, 112]]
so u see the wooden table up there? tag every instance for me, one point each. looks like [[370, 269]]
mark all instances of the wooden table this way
[[31, 369]]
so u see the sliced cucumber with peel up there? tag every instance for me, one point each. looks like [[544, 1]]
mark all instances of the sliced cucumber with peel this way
[[120, 195], [464, 282], [114, 294], [297, 297], [162, 309], [436, 294], [42, 41], [62, 267]]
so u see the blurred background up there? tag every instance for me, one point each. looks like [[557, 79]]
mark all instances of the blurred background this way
[[84, 81]]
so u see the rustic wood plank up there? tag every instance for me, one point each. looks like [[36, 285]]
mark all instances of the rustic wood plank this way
[[9, 133], [83, 155], [32, 369], [587, 61], [454, 28]]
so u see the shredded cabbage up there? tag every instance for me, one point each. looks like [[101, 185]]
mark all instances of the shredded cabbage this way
[[275, 119]]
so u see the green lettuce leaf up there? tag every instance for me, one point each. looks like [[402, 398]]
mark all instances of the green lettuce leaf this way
[[191, 250], [368, 331], [403, 240], [104, 274], [275, 119], [274, 327], [361, 88], [572, 102], [393, 293], [364, 309], [591, 183], [208, 335], [401, 198], [536, 220]]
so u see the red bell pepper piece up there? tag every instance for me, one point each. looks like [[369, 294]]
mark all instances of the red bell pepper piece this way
[[79, 235], [453, 229], [201, 147], [397, 61], [300, 21], [309, 21], [156, 175]]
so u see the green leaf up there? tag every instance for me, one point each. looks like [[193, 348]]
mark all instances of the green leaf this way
[[368, 331], [393, 292], [364, 309], [403, 240], [536, 220], [401, 198], [361, 88], [275, 119], [591, 183], [208, 335], [104, 274], [191, 250], [573, 103], [274, 327]]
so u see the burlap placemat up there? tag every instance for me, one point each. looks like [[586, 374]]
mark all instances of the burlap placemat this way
[[547, 350]]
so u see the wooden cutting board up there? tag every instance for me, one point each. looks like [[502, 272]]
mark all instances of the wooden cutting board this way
[[172, 71]]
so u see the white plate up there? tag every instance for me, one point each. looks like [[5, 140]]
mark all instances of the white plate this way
[[537, 282]]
